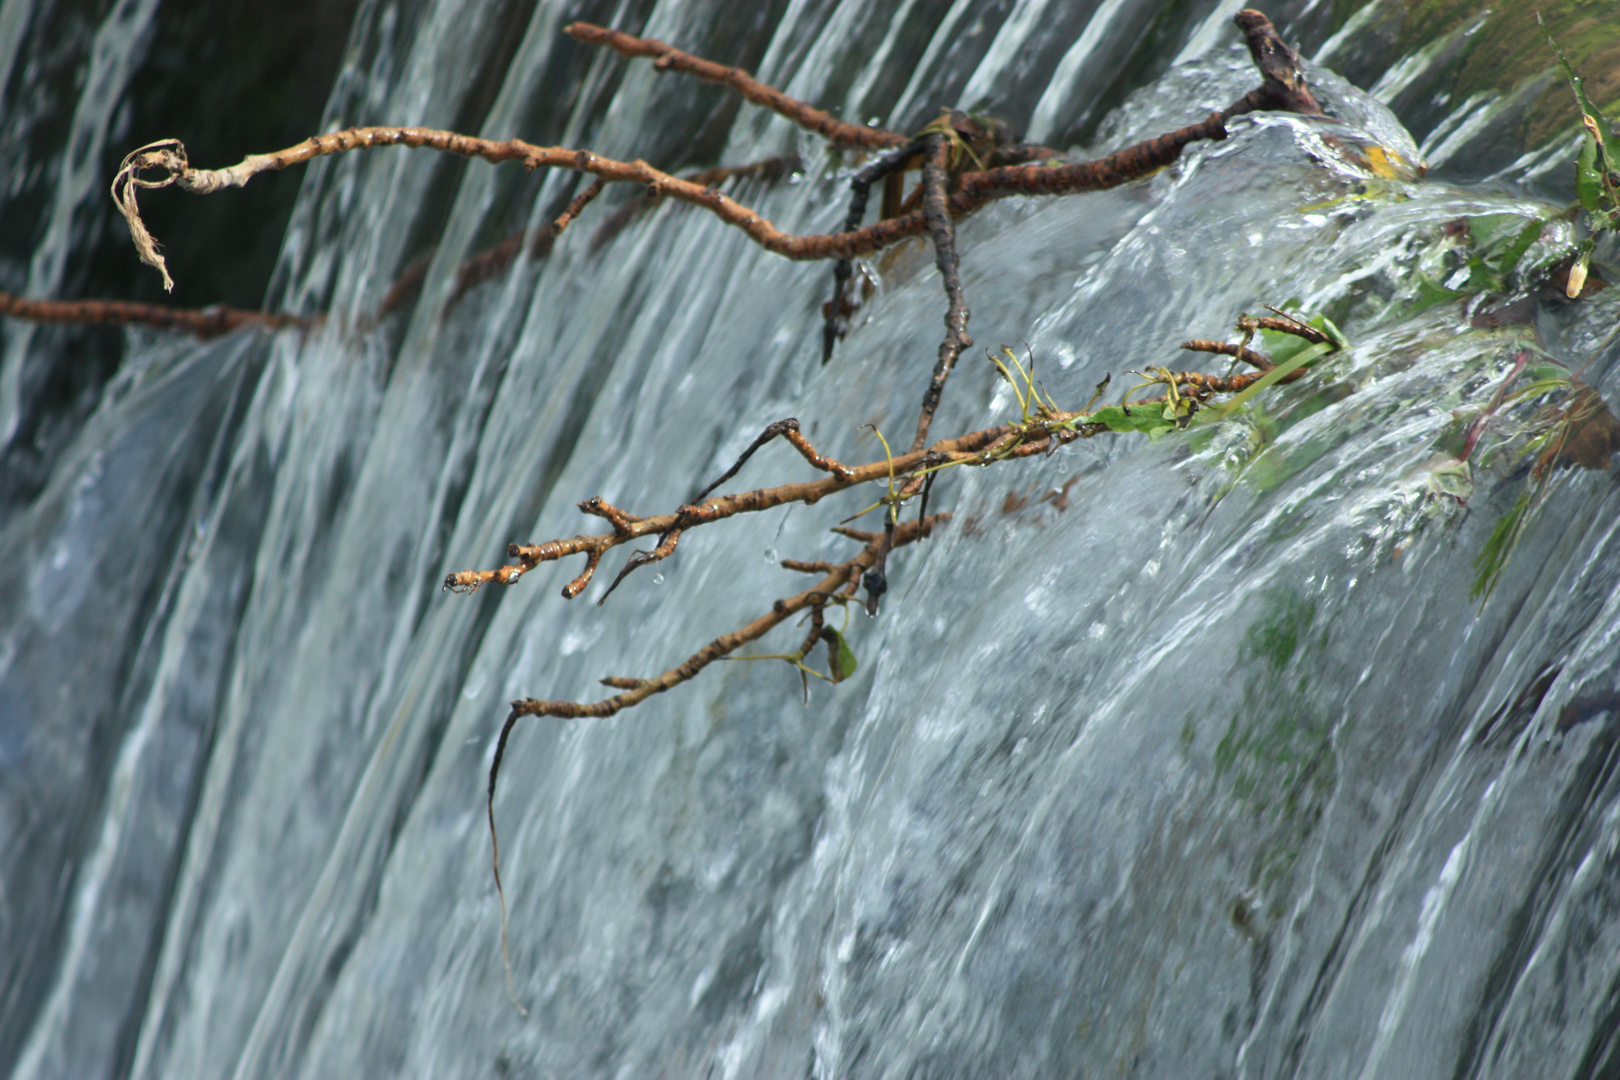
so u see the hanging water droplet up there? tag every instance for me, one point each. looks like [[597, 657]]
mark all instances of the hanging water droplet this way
[[658, 579], [770, 555]]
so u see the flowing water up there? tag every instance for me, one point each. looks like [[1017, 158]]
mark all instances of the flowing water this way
[[1182, 757]]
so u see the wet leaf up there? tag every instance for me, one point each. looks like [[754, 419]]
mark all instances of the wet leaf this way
[[1431, 293], [1144, 418], [1493, 558], [1527, 236], [1594, 432], [1446, 475], [1588, 182], [840, 657]]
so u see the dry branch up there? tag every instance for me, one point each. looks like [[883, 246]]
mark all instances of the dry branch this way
[[965, 164], [984, 447], [635, 691], [976, 188], [205, 323], [973, 190], [669, 58], [936, 168], [822, 593]]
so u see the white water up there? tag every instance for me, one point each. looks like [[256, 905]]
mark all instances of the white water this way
[[1202, 775]]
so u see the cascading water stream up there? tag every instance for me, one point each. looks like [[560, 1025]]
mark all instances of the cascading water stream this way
[[1183, 757]]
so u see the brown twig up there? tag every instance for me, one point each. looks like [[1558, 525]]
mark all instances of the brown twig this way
[[803, 567], [1224, 348], [1283, 324], [976, 189], [1005, 442], [906, 533], [669, 58], [481, 267], [936, 165], [205, 323], [789, 430], [838, 310], [1279, 64], [576, 205], [968, 447], [973, 190], [635, 691], [769, 168]]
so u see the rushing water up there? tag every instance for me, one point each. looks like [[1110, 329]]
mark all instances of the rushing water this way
[[1170, 758]]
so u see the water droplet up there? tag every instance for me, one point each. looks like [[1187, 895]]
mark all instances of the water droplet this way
[[770, 555], [658, 579]]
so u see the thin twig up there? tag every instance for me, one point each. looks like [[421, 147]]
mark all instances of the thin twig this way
[[669, 58], [635, 691], [781, 610], [787, 429], [960, 450], [1283, 324], [576, 205], [205, 323], [974, 189], [1226, 348], [936, 164], [838, 310]]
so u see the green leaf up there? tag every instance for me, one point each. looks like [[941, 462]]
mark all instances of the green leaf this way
[[1588, 182], [1545, 371], [1431, 293], [1271, 378], [1144, 418], [1328, 327], [1536, 387], [1284, 347], [1493, 558], [840, 659], [1521, 244], [1480, 278]]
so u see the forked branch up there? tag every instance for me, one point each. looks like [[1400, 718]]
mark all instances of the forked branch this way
[[973, 190]]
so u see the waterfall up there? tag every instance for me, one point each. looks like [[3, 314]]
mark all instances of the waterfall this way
[[1186, 756]]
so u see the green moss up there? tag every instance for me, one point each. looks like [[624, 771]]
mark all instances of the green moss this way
[[1508, 51], [1276, 756]]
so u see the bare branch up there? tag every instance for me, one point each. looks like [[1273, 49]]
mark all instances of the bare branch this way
[[205, 323], [936, 166], [669, 58]]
